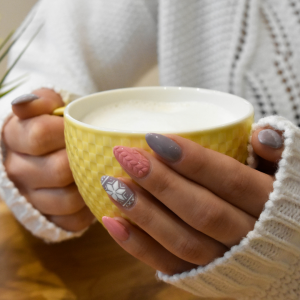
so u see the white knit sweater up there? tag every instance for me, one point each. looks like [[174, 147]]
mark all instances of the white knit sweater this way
[[245, 47]]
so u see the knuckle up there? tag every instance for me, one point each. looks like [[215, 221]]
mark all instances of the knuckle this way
[[210, 219], [237, 184], [12, 168], [61, 169], [188, 249], [38, 136], [146, 220], [163, 185], [141, 252], [196, 169]]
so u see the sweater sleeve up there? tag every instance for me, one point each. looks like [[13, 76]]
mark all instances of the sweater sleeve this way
[[265, 265], [77, 50]]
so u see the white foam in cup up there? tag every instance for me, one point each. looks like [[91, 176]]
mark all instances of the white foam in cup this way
[[158, 116], [159, 109]]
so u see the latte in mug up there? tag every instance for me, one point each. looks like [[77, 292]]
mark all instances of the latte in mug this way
[[158, 116]]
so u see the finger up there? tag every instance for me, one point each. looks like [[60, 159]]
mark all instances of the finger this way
[[56, 201], [236, 183], [38, 172], [140, 245], [35, 136], [47, 101], [268, 144], [75, 222], [161, 224], [201, 208]]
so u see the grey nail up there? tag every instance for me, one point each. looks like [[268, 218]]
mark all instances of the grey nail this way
[[118, 190], [24, 99], [270, 138], [163, 146]]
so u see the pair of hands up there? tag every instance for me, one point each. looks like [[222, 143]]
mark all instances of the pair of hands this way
[[188, 212]]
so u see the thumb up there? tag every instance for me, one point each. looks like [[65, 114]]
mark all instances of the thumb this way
[[42, 101], [268, 144]]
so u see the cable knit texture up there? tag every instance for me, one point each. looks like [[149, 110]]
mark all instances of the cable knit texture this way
[[245, 47]]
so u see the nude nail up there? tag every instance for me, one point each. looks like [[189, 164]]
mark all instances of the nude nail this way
[[132, 161], [118, 190], [164, 146], [115, 228], [270, 138], [24, 99]]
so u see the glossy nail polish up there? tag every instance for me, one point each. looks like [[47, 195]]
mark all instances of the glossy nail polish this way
[[118, 190], [132, 161], [270, 138], [24, 99], [115, 228], [164, 146]]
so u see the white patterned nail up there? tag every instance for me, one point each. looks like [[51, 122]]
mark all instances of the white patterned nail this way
[[118, 190]]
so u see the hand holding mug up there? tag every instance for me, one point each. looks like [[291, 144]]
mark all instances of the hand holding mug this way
[[191, 204], [37, 161]]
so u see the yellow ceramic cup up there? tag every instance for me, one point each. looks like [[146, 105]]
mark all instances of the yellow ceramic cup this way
[[90, 148]]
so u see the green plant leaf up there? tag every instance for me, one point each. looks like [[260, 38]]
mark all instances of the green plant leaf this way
[[7, 39], [10, 90], [19, 34], [19, 56], [14, 80]]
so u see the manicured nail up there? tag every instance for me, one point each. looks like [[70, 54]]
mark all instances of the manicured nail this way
[[132, 161], [118, 190], [24, 99], [163, 146], [115, 228], [270, 138]]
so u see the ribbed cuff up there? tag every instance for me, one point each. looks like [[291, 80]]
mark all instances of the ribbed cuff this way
[[266, 264]]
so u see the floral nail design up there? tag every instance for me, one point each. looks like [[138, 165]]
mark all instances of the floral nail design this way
[[118, 190]]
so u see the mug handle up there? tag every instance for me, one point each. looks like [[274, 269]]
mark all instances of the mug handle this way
[[59, 111]]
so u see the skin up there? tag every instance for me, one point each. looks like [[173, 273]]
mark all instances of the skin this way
[[192, 211], [37, 162], [172, 235]]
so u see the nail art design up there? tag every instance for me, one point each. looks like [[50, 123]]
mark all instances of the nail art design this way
[[270, 138], [164, 146], [118, 190], [132, 161], [24, 99]]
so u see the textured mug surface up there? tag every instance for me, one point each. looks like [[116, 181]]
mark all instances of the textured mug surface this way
[[90, 149]]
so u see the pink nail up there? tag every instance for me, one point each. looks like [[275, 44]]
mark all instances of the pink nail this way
[[115, 228], [132, 161]]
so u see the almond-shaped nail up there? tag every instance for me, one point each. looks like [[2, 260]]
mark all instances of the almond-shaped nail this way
[[115, 228], [132, 161], [118, 190], [270, 138], [24, 99], [164, 146]]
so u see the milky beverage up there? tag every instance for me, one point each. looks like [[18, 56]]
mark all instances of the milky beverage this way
[[158, 116]]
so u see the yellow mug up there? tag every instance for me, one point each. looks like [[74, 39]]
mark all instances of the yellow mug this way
[[90, 149]]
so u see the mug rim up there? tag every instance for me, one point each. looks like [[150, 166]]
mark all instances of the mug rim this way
[[131, 132]]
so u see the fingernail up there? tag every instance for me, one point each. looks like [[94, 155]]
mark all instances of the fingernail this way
[[132, 161], [24, 99], [115, 228], [270, 138], [118, 190], [164, 146]]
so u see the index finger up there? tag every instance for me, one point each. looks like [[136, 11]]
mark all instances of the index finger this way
[[46, 102], [234, 182]]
